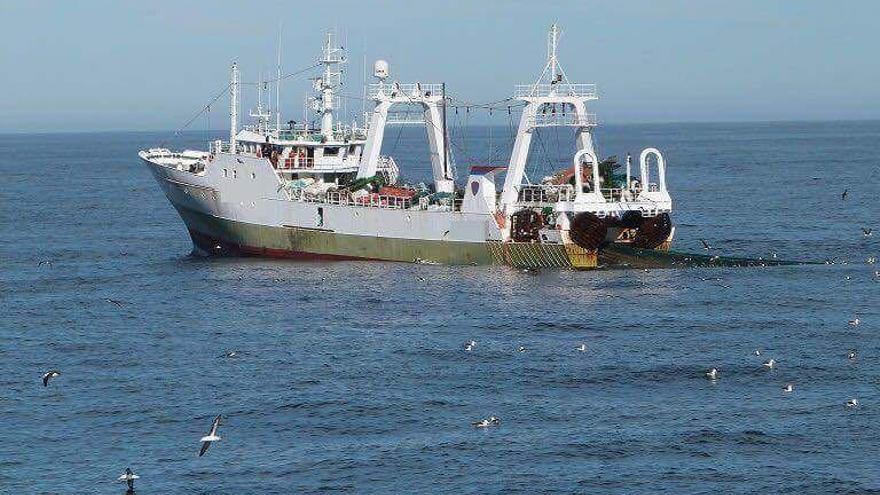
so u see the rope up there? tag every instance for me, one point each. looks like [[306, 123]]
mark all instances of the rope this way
[[204, 109], [282, 77], [222, 92]]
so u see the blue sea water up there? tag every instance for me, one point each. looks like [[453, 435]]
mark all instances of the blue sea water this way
[[351, 376]]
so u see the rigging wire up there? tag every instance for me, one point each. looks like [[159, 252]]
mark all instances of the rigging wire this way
[[222, 92], [286, 76], [204, 109]]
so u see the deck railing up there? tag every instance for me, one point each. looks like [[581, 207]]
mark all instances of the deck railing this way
[[558, 119], [587, 91], [545, 194], [344, 198]]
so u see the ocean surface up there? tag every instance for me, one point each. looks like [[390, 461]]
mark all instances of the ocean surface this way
[[351, 378]]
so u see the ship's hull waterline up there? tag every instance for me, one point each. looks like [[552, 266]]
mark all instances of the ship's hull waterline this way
[[212, 235]]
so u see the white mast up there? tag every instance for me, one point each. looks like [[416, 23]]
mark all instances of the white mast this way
[[327, 83], [233, 108], [278, 87]]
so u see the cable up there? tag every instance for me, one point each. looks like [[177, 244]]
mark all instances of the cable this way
[[203, 109], [282, 77]]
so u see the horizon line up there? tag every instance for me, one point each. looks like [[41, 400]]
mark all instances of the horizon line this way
[[632, 123]]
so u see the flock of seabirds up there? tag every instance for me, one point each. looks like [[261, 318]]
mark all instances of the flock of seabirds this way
[[713, 374]]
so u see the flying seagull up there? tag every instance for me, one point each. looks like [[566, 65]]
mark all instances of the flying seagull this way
[[851, 355], [521, 349], [788, 387], [230, 354], [486, 423], [128, 477], [855, 321], [210, 437], [50, 375], [867, 232], [852, 403], [117, 302], [712, 374], [706, 245], [757, 352], [582, 348], [469, 345], [770, 364], [844, 194], [45, 262]]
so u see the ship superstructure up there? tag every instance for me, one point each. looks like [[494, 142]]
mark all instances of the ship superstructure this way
[[326, 192]]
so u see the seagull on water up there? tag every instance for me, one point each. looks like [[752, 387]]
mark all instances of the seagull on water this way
[[231, 354], [520, 349], [851, 355], [788, 387], [128, 477], [867, 232], [45, 262], [50, 375], [469, 345], [712, 374], [211, 437], [582, 348], [871, 260], [486, 423], [852, 403], [117, 302], [757, 352], [770, 364], [855, 322]]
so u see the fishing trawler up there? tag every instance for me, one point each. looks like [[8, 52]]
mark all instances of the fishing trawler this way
[[327, 192]]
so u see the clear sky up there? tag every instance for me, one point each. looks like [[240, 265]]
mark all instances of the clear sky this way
[[103, 65]]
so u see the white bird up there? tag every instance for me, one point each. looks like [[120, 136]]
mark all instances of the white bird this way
[[211, 437], [867, 232], [770, 364], [788, 387], [757, 352], [871, 260], [851, 355], [582, 348], [231, 354], [128, 477], [852, 403], [50, 375], [712, 374], [855, 321], [469, 345], [485, 423], [520, 349]]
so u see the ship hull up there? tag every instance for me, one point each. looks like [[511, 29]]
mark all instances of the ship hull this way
[[218, 236], [236, 207]]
